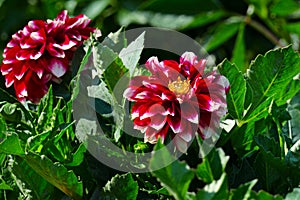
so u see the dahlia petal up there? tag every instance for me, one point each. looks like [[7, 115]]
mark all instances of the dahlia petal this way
[[158, 121], [168, 95], [204, 101], [21, 89], [155, 84], [9, 79], [189, 57], [171, 109], [56, 52], [154, 110], [62, 16], [144, 122], [20, 70], [150, 136], [129, 93], [144, 95], [66, 44], [12, 43], [180, 144], [28, 54], [171, 69], [35, 24], [6, 68], [139, 109], [57, 68], [153, 65], [163, 133], [76, 36], [187, 134], [175, 123], [10, 55], [189, 112]]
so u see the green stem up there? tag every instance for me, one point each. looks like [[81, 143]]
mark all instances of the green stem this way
[[281, 139], [264, 31]]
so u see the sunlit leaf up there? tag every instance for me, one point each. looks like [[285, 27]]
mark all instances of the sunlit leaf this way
[[56, 174], [243, 191], [176, 177], [4, 186], [205, 18], [11, 145], [78, 156], [215, 190], [295, 194], [271, 74], [40, 187], [95, 8], [223, 32], [284, 7], [239, 50], [130, 55], [212, 166], [115, 41], [293, 27], [262, 195], [237, 92], [121, 187]]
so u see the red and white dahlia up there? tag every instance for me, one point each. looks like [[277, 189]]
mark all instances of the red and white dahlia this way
[[41, 53], [177, 100]]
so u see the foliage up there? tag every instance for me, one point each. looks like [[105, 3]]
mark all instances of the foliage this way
[[258, 157]]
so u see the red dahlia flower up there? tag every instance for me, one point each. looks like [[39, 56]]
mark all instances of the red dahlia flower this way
[[178, 99], [41, 53]]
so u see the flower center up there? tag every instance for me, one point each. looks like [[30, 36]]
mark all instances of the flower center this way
[[179, 87]]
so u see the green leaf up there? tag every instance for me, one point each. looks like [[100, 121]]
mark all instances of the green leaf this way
[[114, 72], [215, 190], [205, 18], [11, 145], [3, 126], [56, 174], [243, 191], [40, 187], [293, 156], [242, 139], [262, 195], [268, 144], [270, 75], [130, 55], [293, 27], [274, 175], [45, 112], [176, 177], [78, 156], [115, 41], [4, 186], [93, 9], [294, 111], [5, 96], [176, 6], [261, 7], [212, 166], [11, 112], [237, 92], [222, 33], [284, 7], [293, 86], [239, 50], [169, 21], [258, 112], [295, 194], [121, 187]]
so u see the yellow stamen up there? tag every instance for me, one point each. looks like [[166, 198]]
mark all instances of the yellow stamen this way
[[179, 87]]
